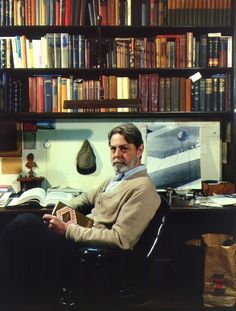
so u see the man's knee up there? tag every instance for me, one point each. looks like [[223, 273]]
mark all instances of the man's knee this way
[[26, 219]]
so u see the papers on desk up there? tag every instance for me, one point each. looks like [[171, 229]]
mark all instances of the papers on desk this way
[[5, 193], [218, 200]]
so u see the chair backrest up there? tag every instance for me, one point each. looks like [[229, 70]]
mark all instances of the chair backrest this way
[[151, 236]]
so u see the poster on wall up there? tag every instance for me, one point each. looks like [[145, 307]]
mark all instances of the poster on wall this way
[[173, 155]]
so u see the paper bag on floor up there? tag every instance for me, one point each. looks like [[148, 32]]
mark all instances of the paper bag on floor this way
[[219, 271]]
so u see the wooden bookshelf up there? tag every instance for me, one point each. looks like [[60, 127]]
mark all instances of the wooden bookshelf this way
[[107, 38]]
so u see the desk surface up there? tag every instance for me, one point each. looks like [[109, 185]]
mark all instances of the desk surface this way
[[180, 206], [43, 210], [190, 206]]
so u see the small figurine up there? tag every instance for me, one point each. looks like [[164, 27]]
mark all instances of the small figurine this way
[[31, 165]]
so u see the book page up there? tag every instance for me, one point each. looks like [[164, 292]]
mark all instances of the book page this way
[[54, 197], [223, 200], [35, 194]]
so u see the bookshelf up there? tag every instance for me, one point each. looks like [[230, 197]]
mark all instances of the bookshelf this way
[[120, 53]]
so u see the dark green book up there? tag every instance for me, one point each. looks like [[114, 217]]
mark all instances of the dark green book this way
[[196, 96], [175, 94], [215, 93], [203, 51], [202, 95], [221, 93], [167, 91], [208, 94]]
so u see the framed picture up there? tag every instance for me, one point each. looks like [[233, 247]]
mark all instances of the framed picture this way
[[10, 139]]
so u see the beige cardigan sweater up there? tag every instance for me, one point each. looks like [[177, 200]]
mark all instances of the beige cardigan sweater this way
[[120, 215]]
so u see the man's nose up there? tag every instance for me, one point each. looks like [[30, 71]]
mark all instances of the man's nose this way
[[117, 153]]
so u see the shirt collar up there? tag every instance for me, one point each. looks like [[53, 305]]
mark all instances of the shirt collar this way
[[134, 170]]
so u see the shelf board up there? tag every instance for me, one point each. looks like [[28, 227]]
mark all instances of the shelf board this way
[[87, 73], [204, 116], [104, 103], [111, 31]]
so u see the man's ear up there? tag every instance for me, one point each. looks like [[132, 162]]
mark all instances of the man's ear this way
[[140, 150]]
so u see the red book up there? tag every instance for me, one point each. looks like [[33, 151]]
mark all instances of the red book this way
[[40, 94], [67, 12], [57, 12], [32, 95], [188, 95], [33, 12], [102, 9], [152, 12], [27, 11]]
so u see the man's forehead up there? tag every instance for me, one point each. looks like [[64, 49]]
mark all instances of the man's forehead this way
[[118, 140], [120, 145]]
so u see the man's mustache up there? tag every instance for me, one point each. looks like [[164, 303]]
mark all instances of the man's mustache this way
[[118, 162]]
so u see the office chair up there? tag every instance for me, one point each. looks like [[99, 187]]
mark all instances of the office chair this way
[[113, 278]]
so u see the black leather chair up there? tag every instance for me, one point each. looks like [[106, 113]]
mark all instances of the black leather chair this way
[[112, 278]]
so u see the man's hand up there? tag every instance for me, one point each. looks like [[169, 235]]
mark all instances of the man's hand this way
[[55, 223]]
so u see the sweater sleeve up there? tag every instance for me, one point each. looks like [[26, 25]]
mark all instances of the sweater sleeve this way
[[133, 218], [85, 201]]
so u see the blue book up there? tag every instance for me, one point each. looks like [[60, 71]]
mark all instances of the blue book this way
[[47, 85], [75, 51], [64, 50]]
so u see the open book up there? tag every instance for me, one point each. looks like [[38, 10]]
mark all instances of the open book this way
[[41, 197], [72, 216]]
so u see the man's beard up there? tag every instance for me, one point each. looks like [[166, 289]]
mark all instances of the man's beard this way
[[122, 167]]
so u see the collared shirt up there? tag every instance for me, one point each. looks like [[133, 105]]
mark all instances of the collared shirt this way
[[119, 177]]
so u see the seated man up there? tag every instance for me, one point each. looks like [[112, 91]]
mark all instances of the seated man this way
[[32, 250]]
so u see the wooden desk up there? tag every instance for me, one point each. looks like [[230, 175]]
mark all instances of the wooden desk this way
[[180, 268], [185, 223]]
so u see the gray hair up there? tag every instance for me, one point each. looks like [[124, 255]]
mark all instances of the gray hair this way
[[130, 132]]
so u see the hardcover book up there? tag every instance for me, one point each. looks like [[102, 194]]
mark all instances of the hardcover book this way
[[71, 216], [40, 197]]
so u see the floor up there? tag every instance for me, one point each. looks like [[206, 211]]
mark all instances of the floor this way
[[175, 287]]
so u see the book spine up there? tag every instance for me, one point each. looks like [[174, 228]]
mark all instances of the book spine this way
[[202, 94], [154, 81], [81, 51], [188, 87], [182, 94], [189, 45], [208, 94], [64, 50], [161, 92], [32, 94], [40, 93], [175, 105], [167, 94], [47, 83], [222, 92], [57, 50], [215, 94], [54, 95], [143, 91], [203, 59]]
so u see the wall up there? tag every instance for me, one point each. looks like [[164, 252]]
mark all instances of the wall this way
[[58, 163]]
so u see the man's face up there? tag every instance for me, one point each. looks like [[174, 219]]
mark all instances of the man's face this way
[[124, 156]]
